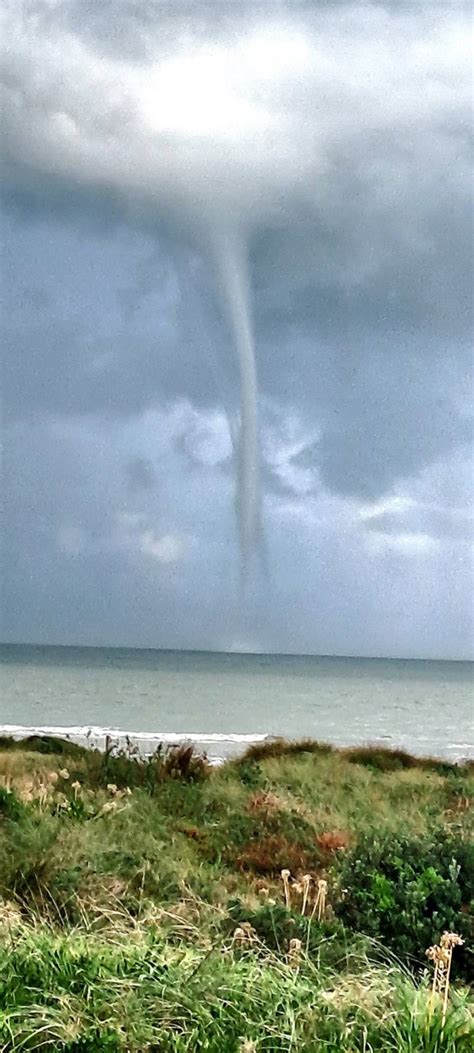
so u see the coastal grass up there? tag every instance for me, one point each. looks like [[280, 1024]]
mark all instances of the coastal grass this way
[[138, 991], [142, 905]]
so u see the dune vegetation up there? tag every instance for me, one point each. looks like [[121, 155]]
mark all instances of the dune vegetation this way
[[285, 901]]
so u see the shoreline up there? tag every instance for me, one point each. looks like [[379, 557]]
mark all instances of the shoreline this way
[[216, 748]]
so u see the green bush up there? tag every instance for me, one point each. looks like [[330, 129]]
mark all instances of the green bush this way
[[10, 805], [250, 773], [407, 892]]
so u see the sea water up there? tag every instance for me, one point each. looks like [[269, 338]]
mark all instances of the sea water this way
[[224, 701]]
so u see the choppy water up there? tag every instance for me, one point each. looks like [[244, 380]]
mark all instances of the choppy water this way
[[223, 701]]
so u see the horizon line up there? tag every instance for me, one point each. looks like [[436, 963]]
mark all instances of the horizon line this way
[[222, 651]]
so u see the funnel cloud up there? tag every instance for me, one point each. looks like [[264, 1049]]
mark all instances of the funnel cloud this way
[[231, 267]]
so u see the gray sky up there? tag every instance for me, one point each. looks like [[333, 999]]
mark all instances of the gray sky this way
[[331, 139]]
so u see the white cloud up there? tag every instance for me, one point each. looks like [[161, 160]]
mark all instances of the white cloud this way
[[408, 544], [285, 439], [167, 549], [207, 438], [247, 121], [396, 504]]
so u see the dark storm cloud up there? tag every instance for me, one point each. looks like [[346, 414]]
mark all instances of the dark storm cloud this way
[[375, 391], [338, 145]]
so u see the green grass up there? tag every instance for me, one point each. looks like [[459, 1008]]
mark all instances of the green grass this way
[[139, 990], [120, 896]]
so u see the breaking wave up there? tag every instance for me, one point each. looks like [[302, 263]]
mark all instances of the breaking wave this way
[[218, 745]]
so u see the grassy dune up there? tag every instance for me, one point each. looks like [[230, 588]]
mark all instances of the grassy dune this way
[[142, 905]]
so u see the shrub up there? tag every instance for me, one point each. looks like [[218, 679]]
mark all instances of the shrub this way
[[126, 768], [277, 747], [250, 773], [44, 744], [183, 763], [273, 840], [331, 842], [10, 805], [407, 892], [269, 855], [386, 760]]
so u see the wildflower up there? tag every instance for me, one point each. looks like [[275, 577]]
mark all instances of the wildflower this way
[[64, 774], [306, 882], [52, 776], [112, 788], [319, 907], [239, 936], [285, 877], [244, 934], [442, 956], [76, 787], [451, 939], [109, 806], [294, 952], [247, 1046], [264, 892]]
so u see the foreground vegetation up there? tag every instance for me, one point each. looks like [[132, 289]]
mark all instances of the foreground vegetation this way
[[284, 901]]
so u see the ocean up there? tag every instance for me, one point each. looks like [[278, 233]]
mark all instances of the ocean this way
[[224, 701]]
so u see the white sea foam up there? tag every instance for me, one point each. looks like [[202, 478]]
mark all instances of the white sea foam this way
[[217, 744], [142, 736]]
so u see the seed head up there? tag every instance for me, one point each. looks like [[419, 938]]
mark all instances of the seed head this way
[[451, 939], [294, 951], [439, 955]]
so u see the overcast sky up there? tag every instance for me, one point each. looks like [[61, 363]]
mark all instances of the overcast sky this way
[[332, 140]]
